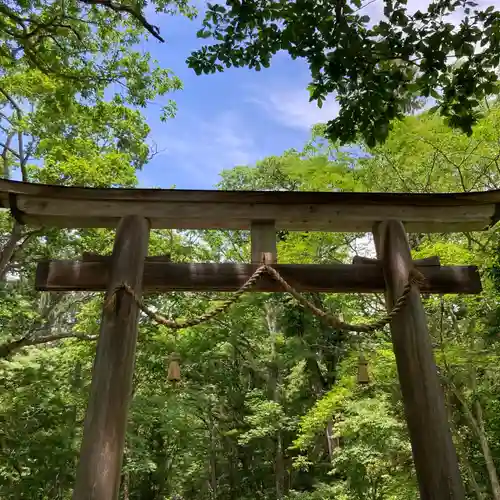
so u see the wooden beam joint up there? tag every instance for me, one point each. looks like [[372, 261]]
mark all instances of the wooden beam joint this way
[[263, 241]]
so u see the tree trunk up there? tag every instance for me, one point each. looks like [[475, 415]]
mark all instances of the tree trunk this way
[[275, 394], [213, 459], [483, 439], [472, 479], [9, 249], [280, 467], [477, 425], [330, 439], [5, 156], [126, 490], [485, 447], [474, 486]]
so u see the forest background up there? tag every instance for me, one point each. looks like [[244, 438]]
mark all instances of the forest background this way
[[268, 407]]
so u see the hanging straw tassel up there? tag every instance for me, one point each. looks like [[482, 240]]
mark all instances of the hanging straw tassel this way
[[174, 369], [363, 377]]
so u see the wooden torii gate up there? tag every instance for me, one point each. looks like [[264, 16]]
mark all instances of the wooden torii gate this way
[[134, 212]]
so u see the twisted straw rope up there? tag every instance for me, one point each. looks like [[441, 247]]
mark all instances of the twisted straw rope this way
[[415, 278]]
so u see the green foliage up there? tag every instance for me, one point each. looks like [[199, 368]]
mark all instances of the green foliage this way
[[94, 143], [374, 455], [320, 414], [88, 45], [63, 124], [423, 155], [71, 84], [268, 406], [376, 71]]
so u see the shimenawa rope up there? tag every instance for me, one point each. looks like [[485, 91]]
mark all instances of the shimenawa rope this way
[[415, 278]]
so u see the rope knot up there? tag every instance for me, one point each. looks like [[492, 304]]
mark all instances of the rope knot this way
[[110, 302], [415, 277]]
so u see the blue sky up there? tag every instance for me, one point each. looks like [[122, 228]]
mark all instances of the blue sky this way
[[236, 117], [226, 119]]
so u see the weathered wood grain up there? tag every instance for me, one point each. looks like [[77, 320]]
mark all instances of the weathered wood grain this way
[[73, 207], [263, 241], [427, 261], [302, 224], [434, 454], [61, 275], [275, 197], [98, 473], [93, 257], [179, 215]]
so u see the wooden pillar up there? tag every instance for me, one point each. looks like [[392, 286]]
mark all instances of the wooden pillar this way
[[98, 473], [434, 454], [263, 240]]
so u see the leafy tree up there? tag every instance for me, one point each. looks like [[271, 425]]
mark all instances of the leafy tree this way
[[62, 127], [68, 125], [87, 42], [79, 52], [375, 70], [424, 155], [268, 406], [370, 449]]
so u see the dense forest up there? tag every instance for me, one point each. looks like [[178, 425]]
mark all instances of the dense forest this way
[[269, 405]]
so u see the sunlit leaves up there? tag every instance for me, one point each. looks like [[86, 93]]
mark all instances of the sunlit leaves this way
[[88, 43], [257, 389], [377, 72]]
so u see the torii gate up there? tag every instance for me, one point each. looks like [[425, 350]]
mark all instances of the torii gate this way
[[135, 211]]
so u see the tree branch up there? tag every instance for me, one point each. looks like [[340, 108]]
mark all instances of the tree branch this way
[[6, 148], [22, 157], [5, 158], [12, 15], [467, 411], [6, 118], [5, 266], [120, 9], [9, 348], [11, 100]]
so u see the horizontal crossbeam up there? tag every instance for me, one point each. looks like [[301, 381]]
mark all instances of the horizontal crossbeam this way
[[163, 276], [72, 207]]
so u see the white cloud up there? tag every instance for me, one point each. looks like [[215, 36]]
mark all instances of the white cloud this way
[[226, 136], [375, 9], [202, 148], [291, 107]]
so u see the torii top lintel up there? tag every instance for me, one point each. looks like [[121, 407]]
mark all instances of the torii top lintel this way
[[77, 207]]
